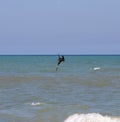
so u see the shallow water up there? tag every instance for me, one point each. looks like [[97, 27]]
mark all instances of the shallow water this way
[[31, 89]]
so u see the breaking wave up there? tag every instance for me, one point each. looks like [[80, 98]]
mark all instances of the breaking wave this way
[[95, 68], [36, 103], [91, 117]]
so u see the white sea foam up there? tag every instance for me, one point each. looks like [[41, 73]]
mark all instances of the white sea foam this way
[[95, 68], [36, 103], [91, 117]]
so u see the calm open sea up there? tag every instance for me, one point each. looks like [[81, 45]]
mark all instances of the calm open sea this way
[[31, 90]]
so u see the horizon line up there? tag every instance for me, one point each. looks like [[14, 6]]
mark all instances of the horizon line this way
[[59, 54]]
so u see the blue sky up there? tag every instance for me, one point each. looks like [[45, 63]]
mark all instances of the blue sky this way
[[59, 26]]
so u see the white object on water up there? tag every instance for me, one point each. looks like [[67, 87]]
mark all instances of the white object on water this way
[[91, 117], [36, 103], [96, 68]]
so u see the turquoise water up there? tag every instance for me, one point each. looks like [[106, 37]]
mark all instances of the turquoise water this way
[[32, 90]]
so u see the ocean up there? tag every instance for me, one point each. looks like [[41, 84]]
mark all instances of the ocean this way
[[85, 88]]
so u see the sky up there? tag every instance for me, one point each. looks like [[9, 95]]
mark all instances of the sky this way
[[59, 27]]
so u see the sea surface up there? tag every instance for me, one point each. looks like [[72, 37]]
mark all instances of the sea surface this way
[[84, 88]]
